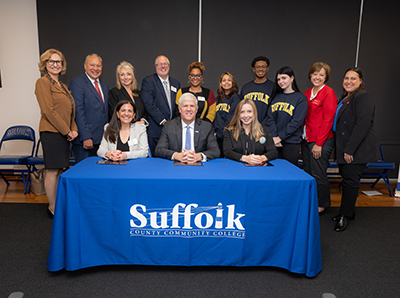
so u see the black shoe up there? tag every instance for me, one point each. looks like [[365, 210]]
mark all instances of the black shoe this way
[[49, 213], [341, 224], [337, 217]]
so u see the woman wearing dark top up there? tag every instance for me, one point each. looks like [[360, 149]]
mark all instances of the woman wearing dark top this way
[[124, 138], [205, 97], [126, 90], [286, 114], [355, 139], [57, 125], [228, 98], [246, 139]]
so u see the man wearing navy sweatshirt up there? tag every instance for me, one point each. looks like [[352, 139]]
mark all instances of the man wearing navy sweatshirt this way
[[260, 89]]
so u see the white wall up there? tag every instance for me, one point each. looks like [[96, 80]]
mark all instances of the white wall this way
[[19, 55]]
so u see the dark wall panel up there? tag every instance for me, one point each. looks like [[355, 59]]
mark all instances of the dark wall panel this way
[[294, 33]]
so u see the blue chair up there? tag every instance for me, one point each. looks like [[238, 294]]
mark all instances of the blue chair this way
[[15, 133], [32, 162], [378, 169], [35, 160]]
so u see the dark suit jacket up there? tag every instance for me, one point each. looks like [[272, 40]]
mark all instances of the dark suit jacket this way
[[156, 104], [355, 133], [91, 113], [116, 95], [171, 139], [236, 149]]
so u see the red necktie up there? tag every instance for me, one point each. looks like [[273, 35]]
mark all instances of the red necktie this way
[[96, 84]]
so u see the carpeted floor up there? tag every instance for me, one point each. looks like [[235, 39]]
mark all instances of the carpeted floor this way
[[362, 261]]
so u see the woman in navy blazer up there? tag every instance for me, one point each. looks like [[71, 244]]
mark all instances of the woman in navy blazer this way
[[356, 142]]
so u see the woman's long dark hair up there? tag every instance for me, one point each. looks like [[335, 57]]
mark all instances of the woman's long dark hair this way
[[221, 91], [287, 71], [360, 74], [112, 131]]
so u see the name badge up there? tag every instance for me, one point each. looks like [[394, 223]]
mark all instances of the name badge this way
[[201, 98], [133, 142], [173, 89]]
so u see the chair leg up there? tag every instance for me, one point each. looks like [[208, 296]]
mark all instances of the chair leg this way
[[386, 179], [4, 178]]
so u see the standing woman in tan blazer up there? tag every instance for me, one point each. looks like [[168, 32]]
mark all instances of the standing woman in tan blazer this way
[[57, 125]]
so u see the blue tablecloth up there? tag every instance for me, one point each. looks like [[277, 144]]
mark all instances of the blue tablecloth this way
[[150, 212]]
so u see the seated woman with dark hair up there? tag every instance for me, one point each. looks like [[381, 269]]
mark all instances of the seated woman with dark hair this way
[[245, 139], [123, 137]]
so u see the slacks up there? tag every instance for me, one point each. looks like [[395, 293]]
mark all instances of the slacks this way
[[317, 168], [290, 152], [351, 174], [81, 154]]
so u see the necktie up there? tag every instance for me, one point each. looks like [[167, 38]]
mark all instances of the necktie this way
[[96, 85], [188, 138], [168, 94]]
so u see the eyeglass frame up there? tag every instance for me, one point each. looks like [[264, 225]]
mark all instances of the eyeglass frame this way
[[56, 62]]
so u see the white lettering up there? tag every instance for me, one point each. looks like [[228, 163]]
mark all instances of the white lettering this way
[[135, 213], [232, 220], [209, 220]]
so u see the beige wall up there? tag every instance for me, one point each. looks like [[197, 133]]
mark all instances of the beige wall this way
[[19, 55]]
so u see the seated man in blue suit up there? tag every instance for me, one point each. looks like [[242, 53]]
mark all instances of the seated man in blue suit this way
[[187, 138], [159, 94], [91, 102]]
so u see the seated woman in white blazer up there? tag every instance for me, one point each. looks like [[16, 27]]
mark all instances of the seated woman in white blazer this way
[[123, 138]]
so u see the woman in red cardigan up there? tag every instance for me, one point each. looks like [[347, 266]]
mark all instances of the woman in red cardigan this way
[[318, 142]]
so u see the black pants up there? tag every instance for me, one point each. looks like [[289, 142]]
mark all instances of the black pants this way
[[317, 168], [290, 152], [351, 174]]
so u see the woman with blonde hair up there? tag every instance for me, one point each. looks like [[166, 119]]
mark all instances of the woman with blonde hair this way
[[126, 89], [245, 139], [57, 125]]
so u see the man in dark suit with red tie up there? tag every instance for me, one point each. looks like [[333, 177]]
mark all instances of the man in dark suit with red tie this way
[[91, 102], [158, 94]]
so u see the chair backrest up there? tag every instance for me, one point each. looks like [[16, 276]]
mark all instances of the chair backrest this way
[[380, 149], [19, 132]]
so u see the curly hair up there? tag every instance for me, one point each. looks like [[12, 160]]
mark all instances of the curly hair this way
[[198, 65]]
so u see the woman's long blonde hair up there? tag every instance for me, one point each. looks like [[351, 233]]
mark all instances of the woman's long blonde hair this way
[[256, 130]]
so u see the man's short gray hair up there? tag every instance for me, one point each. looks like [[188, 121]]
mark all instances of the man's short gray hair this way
[[187, 96], [93, 54]]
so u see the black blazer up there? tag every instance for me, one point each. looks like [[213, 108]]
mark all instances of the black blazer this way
[[236, 149], [355, 133], [116, 95], [171, 139]]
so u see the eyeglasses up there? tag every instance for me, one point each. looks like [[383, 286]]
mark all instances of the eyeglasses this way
[[56, 62], [162, 64], [192, 76], [260, 67]]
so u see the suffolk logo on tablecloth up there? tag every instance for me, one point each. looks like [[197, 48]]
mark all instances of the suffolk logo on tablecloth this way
[[187, 221]]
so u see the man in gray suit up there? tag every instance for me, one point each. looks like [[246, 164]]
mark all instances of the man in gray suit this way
[[185, 138]]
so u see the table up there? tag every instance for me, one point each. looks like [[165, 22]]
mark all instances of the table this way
[[150, 212]]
